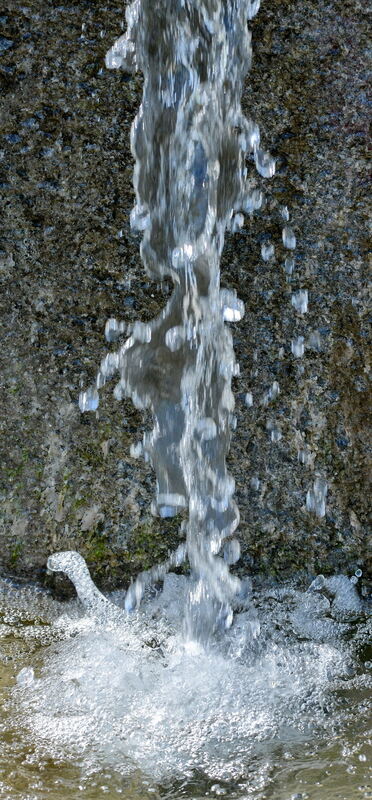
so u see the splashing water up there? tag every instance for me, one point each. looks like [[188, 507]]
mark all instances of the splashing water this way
[[121, 695], [244, 677]]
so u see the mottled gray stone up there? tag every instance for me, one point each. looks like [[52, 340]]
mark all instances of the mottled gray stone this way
[[69, 261]]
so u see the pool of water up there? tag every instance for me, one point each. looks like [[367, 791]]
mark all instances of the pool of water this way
[[276, 707]]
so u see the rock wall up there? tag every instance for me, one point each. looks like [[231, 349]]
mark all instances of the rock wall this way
[[69, 261]]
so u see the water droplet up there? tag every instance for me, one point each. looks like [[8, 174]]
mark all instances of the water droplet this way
[[109, 365], [289, 238], [289, 265], [100, 380], [265, 163], [275, 390], [358, 573], [314, 340], [316, 497], [271, 394], [89, 400], [113, 329], [284, 213], [304, 456], [255, 483], [267, 251], [276, 434], [231, 551], [253, 201], [136, 450], [141, 332], [298, 346], [299, 301], [249, 399], [354, 579], [139, 218], [232, 307], [236, 223], [121, 54], [118, 391], [249, 139]]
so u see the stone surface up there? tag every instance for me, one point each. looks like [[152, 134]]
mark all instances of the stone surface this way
[[69, 261]]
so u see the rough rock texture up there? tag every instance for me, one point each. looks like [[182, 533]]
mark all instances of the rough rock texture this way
[[69, 261]]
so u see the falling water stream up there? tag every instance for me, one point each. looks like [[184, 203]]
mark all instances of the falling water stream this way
[[189, 141], [188, 685]]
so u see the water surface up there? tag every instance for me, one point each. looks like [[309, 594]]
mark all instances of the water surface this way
[[138, 710]]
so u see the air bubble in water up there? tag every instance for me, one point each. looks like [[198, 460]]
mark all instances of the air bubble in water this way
[[265, 163], [289, 238], [267, 251], [89, 400], [299, 301], [298, 346]]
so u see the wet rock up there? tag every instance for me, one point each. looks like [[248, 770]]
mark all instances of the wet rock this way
[[69, 261]]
